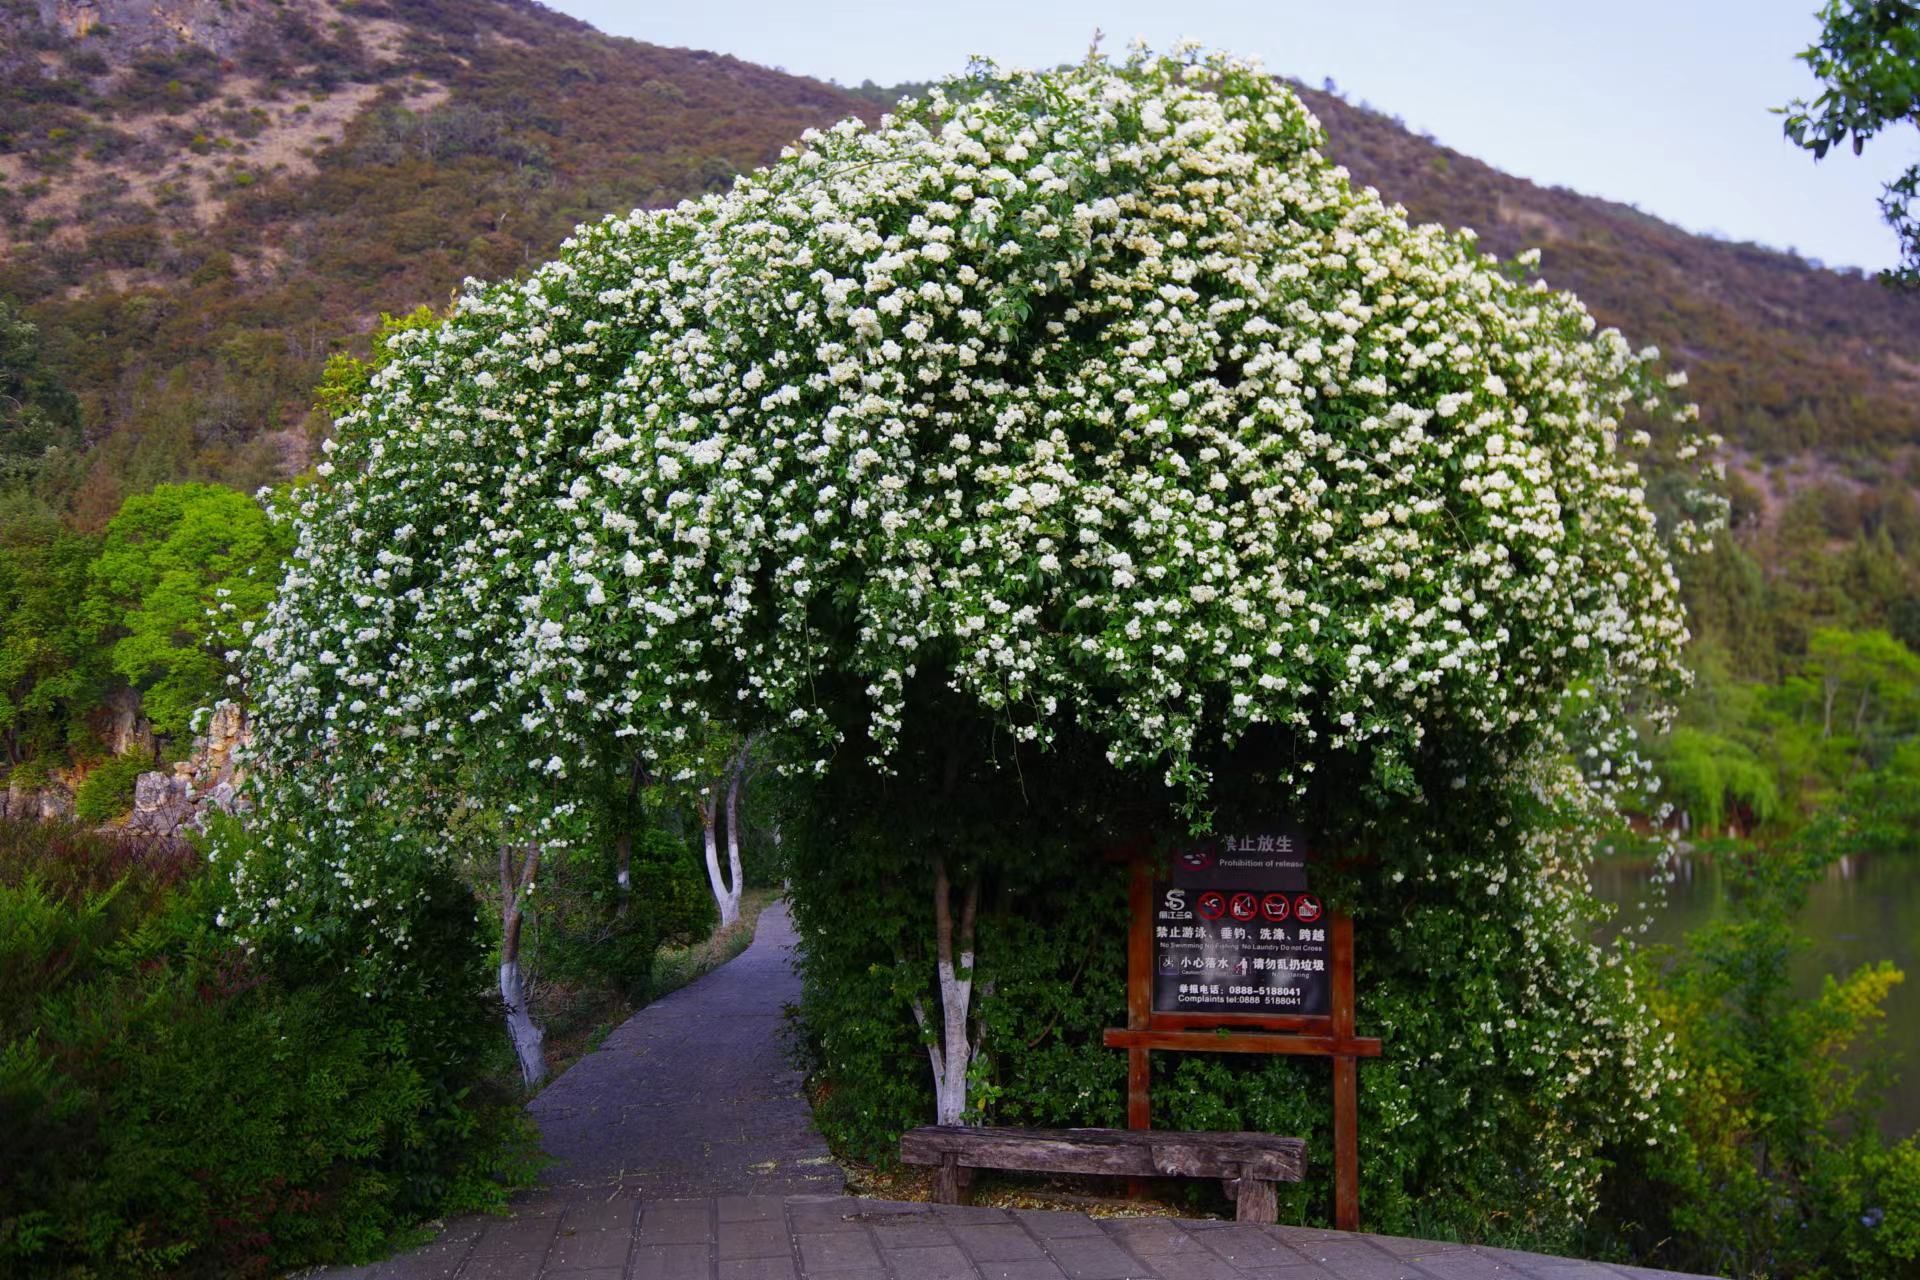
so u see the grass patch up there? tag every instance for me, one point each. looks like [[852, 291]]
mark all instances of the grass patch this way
[[675, 967]]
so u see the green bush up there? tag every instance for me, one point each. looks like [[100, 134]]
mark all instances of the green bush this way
[[107, 791], [1778, 1167], [176, 1106], [1482, 986], [669, 878]]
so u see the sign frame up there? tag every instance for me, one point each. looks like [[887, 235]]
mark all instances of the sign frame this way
[[1332, 1035]]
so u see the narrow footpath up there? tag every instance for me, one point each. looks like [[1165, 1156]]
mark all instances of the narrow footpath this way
[[694, 1095], [685, 1151]]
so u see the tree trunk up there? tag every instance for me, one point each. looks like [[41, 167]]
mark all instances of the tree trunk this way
[[949, 1049], [724, 897], [529, 1039], [733, 835], [623, 843]]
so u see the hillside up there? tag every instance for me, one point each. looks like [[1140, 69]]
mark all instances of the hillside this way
[[1783, 355], [201, 200]]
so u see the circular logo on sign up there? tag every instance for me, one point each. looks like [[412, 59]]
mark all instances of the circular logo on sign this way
[[1211, 905], [1307, 908], [1196, 859], [1275, 907], [1245, 906]]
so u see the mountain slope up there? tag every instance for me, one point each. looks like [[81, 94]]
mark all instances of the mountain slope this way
[[201, 199]]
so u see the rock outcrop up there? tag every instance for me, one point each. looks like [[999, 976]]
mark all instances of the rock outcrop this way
[[51, 802], [207, 781]]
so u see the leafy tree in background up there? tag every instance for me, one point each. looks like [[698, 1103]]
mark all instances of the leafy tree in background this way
[[182, 574], [36, 413], [50, 670], [1868, 59]]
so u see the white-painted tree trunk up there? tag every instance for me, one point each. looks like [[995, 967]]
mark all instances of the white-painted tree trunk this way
[[950, 1048], [529, 1039], [726, 897], [734, 878]]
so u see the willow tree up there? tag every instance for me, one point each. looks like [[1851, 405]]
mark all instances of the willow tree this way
[[1090, 403]]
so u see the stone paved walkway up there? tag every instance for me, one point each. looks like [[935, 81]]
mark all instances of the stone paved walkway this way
[[686, 1152], [694, 1095]]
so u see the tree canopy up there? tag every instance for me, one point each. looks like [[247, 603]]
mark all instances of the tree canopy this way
[[1097, 400], [1868, 63]]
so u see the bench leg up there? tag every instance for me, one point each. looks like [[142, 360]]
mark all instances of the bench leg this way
[[950, 1181], [1256, 1201]]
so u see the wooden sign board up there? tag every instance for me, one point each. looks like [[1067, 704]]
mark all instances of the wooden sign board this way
[[1230, 951]]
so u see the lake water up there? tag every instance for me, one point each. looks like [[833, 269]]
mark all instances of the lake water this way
[[1864, 910]]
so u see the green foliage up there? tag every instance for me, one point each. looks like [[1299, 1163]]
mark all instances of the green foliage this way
[[176, 1106], [1868, 62], [51, 670], [107, 790], [670, 885], [1506, 1033], [183, 574], [37, 414], [1778, 1169], [1710, 777]]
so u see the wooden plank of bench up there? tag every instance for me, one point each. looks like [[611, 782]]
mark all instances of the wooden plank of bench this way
[[1123, 1152]]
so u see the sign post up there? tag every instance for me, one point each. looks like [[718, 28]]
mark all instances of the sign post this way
[[1228, 951]]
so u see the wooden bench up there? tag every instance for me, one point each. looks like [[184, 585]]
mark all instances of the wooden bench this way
[[1248, 1164]]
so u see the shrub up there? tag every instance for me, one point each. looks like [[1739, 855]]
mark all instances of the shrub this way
[[1777, 1167], [107, 790], [175, 1106], [671, 884]]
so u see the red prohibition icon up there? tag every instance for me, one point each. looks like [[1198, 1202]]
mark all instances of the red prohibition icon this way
[[1212, 905], [1275, 907], [1306, 908], [1245, 906]]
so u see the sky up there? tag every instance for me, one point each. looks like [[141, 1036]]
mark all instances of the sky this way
[[1663, 104]]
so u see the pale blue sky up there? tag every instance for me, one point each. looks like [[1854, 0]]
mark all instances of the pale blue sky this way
[[1661, 103]]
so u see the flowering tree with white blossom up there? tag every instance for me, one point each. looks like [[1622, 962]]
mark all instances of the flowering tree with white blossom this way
[[1096, 401]]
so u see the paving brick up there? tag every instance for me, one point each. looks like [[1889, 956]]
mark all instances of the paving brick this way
[[502, 1266], [758, 1269], [1465, 1264], [934, 1262], [587, 1273], [836, 1251], [838, 1213], [605, 1215], [516, 1235], [751, 1208], [756, 1239], [585, 1250], [969, 1213], [1030, 1269], [1247, 1245], [1356, 1260], [1050, 1225], [669, 1262], [1146, 1237], [1095, 1258], [909, 1230], [675, 1222], [436, 1261], [996, 1242]]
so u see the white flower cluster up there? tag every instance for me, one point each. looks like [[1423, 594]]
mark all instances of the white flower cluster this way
[[1098, 394]]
